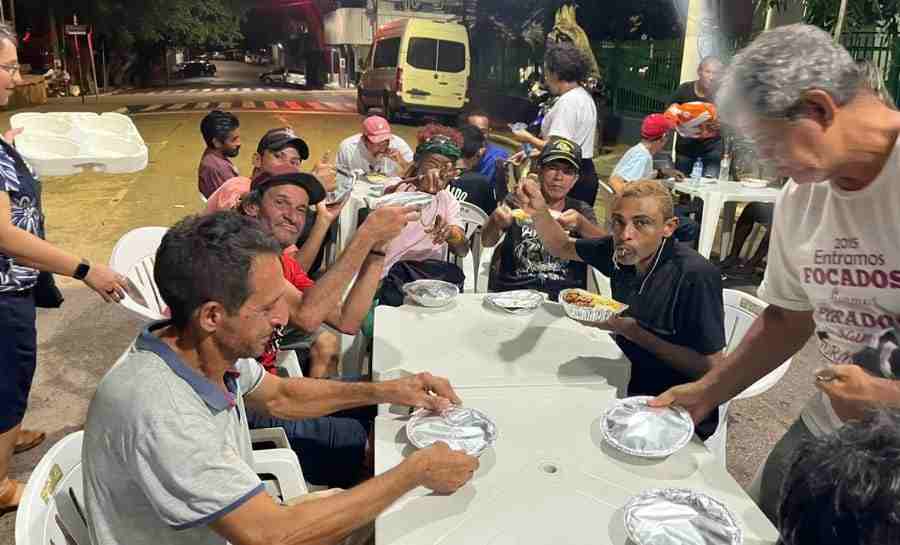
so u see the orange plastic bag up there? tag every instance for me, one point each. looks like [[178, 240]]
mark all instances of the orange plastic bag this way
[[694, 119]]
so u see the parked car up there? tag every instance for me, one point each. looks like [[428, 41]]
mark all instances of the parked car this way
[[288, 77], [196, 69], [416, 66]]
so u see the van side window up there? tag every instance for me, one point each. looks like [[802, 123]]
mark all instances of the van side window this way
[[451, 57], [386, 53], [422, 53]]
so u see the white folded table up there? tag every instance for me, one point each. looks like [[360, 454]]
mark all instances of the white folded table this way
[[715, 195], [474, 345], [550, 479]]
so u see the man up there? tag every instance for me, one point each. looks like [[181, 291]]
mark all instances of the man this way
[[524, 262], [472, 186], [673, 330], [834, 255], [842, 488], [708, 150], [375, 150], [637, 164], [487, 163], [221, 132], [166, 455]]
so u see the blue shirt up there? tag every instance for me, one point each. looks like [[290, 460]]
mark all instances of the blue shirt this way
[[488, 163], [17, 181], [636, 164]]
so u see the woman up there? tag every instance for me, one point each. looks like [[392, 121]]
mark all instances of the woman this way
[[23, 253], [573, 114]]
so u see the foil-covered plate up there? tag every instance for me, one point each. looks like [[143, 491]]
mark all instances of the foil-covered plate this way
[[678, 516], [635, 428], [418, 199], [431, 293], [462, 428], [516, 301], [585, 306]]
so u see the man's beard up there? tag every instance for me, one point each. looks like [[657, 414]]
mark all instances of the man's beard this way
[[232, 152]]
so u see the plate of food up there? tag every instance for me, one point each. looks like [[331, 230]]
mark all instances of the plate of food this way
[[585, 306], [754, 183]]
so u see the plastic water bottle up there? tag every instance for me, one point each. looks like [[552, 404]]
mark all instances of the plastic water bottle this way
[[697, 171]]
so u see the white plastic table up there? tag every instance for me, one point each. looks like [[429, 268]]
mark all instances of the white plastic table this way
[[550, 479], [718, 197], [474, 345]]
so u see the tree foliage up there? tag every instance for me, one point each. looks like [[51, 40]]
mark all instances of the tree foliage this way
[[881, 15]]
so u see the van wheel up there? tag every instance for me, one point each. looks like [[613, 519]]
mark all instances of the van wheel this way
[[361, 107], [386, 108]]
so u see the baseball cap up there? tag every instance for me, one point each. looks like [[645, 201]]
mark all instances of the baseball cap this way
[[278, 139], [655, 126], [285, 174], [376, 129], [561, 149]]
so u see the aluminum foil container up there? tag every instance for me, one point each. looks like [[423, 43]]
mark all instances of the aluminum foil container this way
[[517, 301], [343, 189], [431, 293], [678, 516], [462, 428], [407, 198], [588, 314], [633, 427]]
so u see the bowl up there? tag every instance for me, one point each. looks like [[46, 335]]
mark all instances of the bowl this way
[[431, 293], [599, 313]]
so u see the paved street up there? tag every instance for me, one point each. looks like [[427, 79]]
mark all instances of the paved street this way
[[87, 214]]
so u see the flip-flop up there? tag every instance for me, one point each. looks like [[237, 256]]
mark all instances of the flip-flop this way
[[28, 439], [13, 489]]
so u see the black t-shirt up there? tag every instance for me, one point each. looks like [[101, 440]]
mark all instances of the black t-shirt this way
[[695, 147], [526, 264], [679, 300], [474, 188]]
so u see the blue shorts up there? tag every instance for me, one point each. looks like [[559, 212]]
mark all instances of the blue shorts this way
[[18, 355]]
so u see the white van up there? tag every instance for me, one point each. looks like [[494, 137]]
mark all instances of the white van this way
[[416, 66]]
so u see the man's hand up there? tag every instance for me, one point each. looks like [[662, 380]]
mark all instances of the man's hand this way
[[420, 390], [671, 173], [328, 213], [396, 156], [385, 223], [529, 195], [522, 136], [325, 172], [695, 397], [626, 327], [571, 220], [436, 179], [851, 389], [443, 470], [440, 232], [10, 136], [502, 217], [109, 284]]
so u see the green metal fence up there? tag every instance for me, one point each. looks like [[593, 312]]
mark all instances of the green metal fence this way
[[882, 51], [641, 75]]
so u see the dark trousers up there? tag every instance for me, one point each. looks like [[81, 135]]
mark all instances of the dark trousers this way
[[18, 355], [585, 189], [685, 163]]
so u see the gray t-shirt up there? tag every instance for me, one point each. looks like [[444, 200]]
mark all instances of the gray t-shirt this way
[[166, 452]]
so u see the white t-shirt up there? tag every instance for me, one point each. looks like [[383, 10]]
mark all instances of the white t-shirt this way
[[353, 155], [837, 253], [574, 116], [636, 164]]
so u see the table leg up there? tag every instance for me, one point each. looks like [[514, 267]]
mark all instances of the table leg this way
[[712, 208], [728, 213]]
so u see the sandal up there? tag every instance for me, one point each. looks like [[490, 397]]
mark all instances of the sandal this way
[[28, 439], [10, 497]]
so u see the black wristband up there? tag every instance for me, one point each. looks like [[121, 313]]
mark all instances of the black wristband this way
[[81, 271], [378, 253]]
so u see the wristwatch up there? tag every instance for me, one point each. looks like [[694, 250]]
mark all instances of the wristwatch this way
[[81, 271]]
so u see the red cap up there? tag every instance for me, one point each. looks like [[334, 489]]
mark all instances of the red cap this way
[[655, 126], [376, 129]]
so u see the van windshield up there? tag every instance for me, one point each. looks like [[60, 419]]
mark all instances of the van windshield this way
[[440, 55], [386, 53]]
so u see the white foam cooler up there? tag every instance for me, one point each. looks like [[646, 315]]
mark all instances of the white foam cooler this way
[[65, 143]]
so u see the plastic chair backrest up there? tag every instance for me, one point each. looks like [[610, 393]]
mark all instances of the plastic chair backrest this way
[[52, 509], [133, 256], [473, 219]]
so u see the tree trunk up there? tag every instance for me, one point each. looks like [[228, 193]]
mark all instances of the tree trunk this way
[[839, 26]]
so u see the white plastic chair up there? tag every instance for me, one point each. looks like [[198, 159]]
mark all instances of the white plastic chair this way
[[598, 282], [741, 310], [473, 220], [133, 256], [52, 510]]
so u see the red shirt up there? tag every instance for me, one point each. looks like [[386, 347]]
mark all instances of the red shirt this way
[[296, 276]]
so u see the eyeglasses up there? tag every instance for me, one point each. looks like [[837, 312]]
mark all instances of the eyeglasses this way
[[13, 68], [294, 160]]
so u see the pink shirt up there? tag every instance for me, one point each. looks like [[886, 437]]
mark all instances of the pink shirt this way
[[413, 243], [213, 171]]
